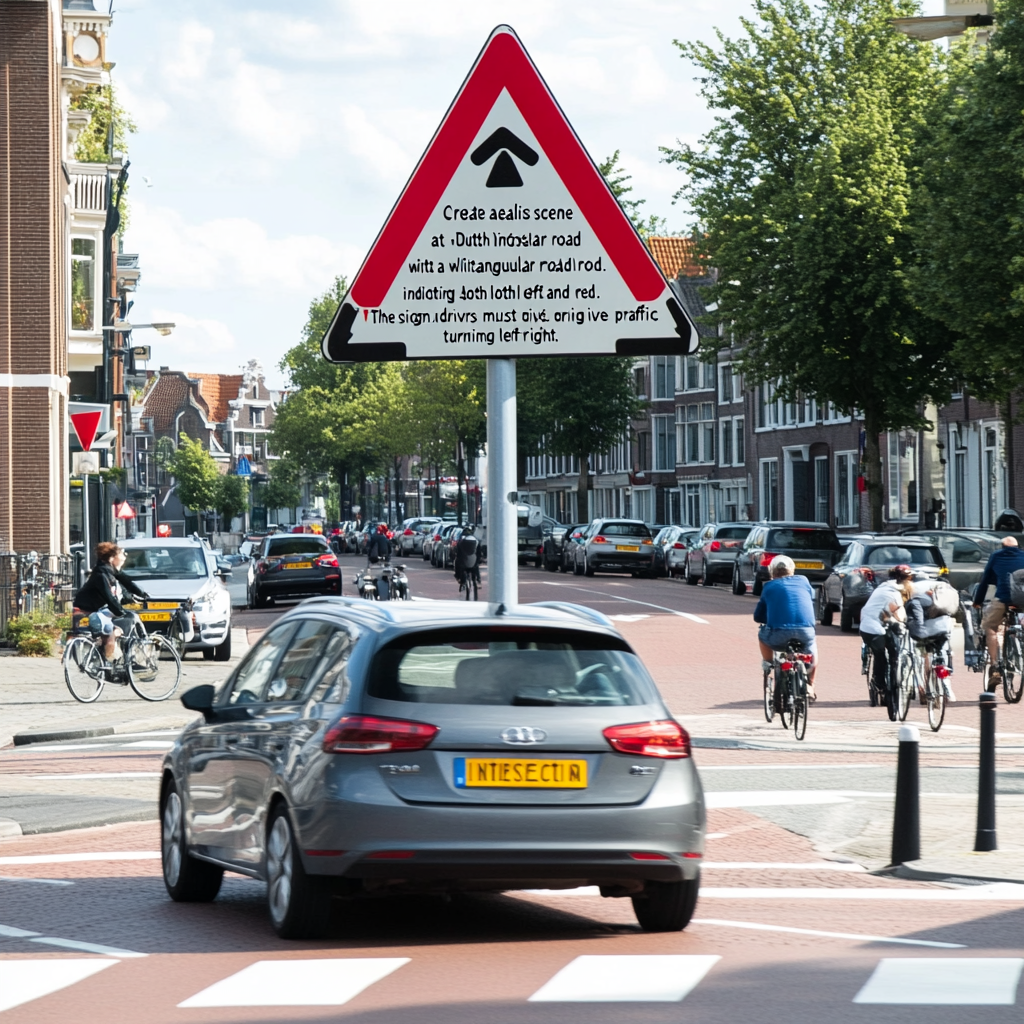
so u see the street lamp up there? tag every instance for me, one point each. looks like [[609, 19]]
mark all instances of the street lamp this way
[[940, 26]]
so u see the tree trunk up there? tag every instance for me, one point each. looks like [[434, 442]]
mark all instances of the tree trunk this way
[[399, 491], [873, 470], [460, 476], [583, 489]]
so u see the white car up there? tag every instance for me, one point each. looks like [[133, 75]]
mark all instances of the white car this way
[[172, 570]]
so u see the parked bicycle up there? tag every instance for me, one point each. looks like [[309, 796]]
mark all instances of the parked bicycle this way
[[785, 688], [147, 662]]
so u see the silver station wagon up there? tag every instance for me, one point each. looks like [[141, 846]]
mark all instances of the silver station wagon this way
[[363, 749]]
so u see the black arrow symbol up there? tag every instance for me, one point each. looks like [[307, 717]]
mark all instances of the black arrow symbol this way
[[504, 173]]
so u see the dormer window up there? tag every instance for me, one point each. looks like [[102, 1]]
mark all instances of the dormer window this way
[[257, 417]]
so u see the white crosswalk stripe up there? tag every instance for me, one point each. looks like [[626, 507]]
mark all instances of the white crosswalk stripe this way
[[946, 981], [21, 981], [625, 979]]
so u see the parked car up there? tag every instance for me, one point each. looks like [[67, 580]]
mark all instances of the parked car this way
[[292, 566], [675, 552], [713, 554], [432, 747], [865, 564], [669, 538], [814, 547], [615, 545], [572, 538], [554, 541], [439, 547], [965, 552], [409, 537], [175, 569]]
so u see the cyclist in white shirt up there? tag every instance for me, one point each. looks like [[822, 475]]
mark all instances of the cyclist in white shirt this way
[[886, 602]]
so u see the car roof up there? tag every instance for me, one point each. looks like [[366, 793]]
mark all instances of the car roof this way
[[794, 523], [895, 540], [166, 542]]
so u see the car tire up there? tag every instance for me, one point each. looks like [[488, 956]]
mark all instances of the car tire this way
[[824, 609], [187, 879], [666, 906], [845, 617], [689, 577], [739, 588], [576, 570], [757, 587], [551, 566], [588, 569], [222, 652], [207, 654], [299, 904]]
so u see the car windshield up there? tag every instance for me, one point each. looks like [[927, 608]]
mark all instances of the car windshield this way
[[301, 544], [732, 532], [164, 563], [896, 554], [510, 666], [803, 539], [624, 530]]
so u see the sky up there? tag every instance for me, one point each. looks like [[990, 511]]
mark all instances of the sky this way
[[274, 138]]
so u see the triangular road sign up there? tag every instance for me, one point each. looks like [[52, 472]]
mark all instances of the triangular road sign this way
[[124, 511], [507, 242], [86, 425]]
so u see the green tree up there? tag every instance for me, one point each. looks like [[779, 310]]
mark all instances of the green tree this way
[[617, 177], [282, 489], [107, 132], [802, 188], [232, 497], [195, 473]]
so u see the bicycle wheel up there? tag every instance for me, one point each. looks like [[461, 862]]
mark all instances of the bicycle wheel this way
[[907, 679], [869, 671], [800, 703], [935, 695], [476, 591], [769, 697], [154, 668], [83, 669], [1013, 667], [784, 688]]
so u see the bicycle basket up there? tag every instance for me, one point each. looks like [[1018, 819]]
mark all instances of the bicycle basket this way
[[80, 623]]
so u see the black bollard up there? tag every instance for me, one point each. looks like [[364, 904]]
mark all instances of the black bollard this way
[[985, 837], [906, 825]]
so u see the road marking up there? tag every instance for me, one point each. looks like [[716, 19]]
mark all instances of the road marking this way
[[716, 835], [327, 982], [784, 767], [7, 932], [813, 865], [786, 797], [38, 749], [828, 935], [630, 600], [152, 744], [97, 775], [87, 947], [965, 981], [625, 979], [37, 881], [21, 981], [74, 858], [1006, 891], [628, 618]]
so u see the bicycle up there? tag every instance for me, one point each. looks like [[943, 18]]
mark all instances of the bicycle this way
[[469, 582], [908, 674], [1011, 657], [785, 688], [144, 656], [935, 687]]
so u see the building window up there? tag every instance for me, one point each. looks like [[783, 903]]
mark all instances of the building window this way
[[664, 368], [664, 444], [642, 504], [767, 406], [673, 506], [643, 450], [769, 488], [730, 388], [696, 425], [257, 417], [821, 489], [694, 510], [640, 381], [83, 284], [903, 482], [847, 512], [731, 446], [698, 376], [995, 478]]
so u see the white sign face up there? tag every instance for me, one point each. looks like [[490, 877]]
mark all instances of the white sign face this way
[[507, 243]]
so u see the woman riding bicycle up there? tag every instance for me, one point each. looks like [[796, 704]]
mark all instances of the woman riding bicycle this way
[[101, 594], [930, 629], [886, 602], [786, 611]]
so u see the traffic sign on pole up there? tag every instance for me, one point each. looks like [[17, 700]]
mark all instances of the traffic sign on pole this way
[[86, 425], [507, 242]]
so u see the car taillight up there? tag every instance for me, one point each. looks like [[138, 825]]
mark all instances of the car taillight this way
[[389, 534], [650, 739], [716, 545], [325, 560], [600, 540], [647, 540], [679, 547], [766, 558], [407, 533], [868, 574], [261, 568], [368, 734]]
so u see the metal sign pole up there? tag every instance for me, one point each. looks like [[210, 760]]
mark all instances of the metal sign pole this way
[[502, 523], [86, 534]]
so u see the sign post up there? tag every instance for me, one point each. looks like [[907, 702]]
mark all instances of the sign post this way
[[85, 425], [507, 243]]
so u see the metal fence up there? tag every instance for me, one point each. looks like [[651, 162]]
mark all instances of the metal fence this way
[[35, 583]]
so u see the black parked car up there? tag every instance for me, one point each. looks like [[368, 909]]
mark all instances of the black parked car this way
[[814, 547], [864, 565], [291, 566], [554, 544]]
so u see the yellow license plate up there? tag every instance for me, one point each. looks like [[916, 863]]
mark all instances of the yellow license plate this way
[[627, 547], [152, 605], [809, 565], [298, 565], [155, 616], [519, 773]]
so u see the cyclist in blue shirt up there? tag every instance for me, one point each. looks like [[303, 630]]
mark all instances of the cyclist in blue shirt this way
[[786, 612], [1008, 559]]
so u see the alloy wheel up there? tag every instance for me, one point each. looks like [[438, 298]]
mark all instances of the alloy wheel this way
[[279, 869], [171, 838]]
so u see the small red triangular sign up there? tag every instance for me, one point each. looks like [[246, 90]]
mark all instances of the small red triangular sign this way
[[507, 241], [86, 424], [124, 511]]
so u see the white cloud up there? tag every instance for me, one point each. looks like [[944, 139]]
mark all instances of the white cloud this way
[[385, 157], [192, 336]]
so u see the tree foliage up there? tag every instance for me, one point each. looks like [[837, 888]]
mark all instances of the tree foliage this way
[[803, 191], [232, 497], [96, 141], [195, 474]]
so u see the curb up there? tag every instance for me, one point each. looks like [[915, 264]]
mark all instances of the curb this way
[[52, 736], [9, 828], [925, 874]]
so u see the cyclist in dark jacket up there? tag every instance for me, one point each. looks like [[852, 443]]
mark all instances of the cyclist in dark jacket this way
[[1008, 559], [100, 595], [467, 556], [379, 546]]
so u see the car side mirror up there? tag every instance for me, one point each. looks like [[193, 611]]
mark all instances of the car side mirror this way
[[200, 698], [224, 574]]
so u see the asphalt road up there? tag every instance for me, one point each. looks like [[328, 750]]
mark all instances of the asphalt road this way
[[792, 924]]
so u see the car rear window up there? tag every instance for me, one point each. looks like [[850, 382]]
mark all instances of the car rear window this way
[[510, 667], [895, 554], [301, 544], [733, 532], [803, 539], [624, 530]]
